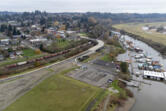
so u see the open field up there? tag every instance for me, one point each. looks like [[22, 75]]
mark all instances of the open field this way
[[59, 93], [29, 52], [136, 28], [106, 58], [63, 43], [84, 34]]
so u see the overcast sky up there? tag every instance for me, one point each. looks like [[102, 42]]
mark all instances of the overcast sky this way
[[114, 6]]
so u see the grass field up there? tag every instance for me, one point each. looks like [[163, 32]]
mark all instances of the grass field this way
[[57, 93], [106, 58], [58, 44], [136, 28], [84, 34], [28, 52], [62, 43], [115, 86]]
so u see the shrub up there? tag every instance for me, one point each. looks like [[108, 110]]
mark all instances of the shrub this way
[[124, 67], [113, 100], [37, 64], [37, 52], [126, 77], [116, 100], [122, 95], [121, 84], [129, 93]]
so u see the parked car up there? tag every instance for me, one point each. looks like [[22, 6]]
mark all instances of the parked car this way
[[109, 81]]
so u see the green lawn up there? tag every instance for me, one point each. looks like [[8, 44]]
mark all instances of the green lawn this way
[[57, 93], [136, 28], [116, 86], [84, 34], [28, 52], [62, 43], [106, 58], [58, 44]]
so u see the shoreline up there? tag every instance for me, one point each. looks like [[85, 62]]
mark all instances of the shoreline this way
[[127, 106], [155, 45]]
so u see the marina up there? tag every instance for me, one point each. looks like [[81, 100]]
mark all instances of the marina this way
[[150, 96], [147, 66]]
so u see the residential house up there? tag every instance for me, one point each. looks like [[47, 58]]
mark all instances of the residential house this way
[[5, 41]]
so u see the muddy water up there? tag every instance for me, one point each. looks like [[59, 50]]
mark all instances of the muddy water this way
[[148, 97]]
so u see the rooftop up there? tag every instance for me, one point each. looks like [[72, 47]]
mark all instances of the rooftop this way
[[154, 74]]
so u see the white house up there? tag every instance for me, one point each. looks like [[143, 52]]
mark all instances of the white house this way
[[5, 41]]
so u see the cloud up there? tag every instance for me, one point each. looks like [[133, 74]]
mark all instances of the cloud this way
[[140, 6]]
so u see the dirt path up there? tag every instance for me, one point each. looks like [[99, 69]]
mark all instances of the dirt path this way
[[106, 103]]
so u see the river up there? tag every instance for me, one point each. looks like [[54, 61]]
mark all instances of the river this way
[[148, 97]]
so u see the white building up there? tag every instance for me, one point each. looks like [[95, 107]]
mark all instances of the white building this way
[[153, 75], [5, 41], [41, 40]]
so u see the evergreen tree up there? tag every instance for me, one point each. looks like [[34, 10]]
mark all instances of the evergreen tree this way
[[9, 27], [14, 31], [3, 27]]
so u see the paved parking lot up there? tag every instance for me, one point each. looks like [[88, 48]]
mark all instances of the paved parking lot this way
[[93, 74]]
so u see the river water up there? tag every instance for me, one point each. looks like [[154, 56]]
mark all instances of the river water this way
[[148, 97]]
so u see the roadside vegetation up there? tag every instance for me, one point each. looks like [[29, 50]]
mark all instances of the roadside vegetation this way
[[92, 57], [114, 49], [119, 94], [106, 58], [98, 106], [61, 92], [118, 99]]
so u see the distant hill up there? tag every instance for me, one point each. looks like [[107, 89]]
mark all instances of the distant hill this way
[[8, 13], [130, 17], [116, 17]]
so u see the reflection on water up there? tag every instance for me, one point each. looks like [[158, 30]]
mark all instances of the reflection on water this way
[[149, 97]]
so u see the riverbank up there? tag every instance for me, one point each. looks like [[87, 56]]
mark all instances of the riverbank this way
[[127, 106], [122, 99], [157, 46], [148, 94]]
